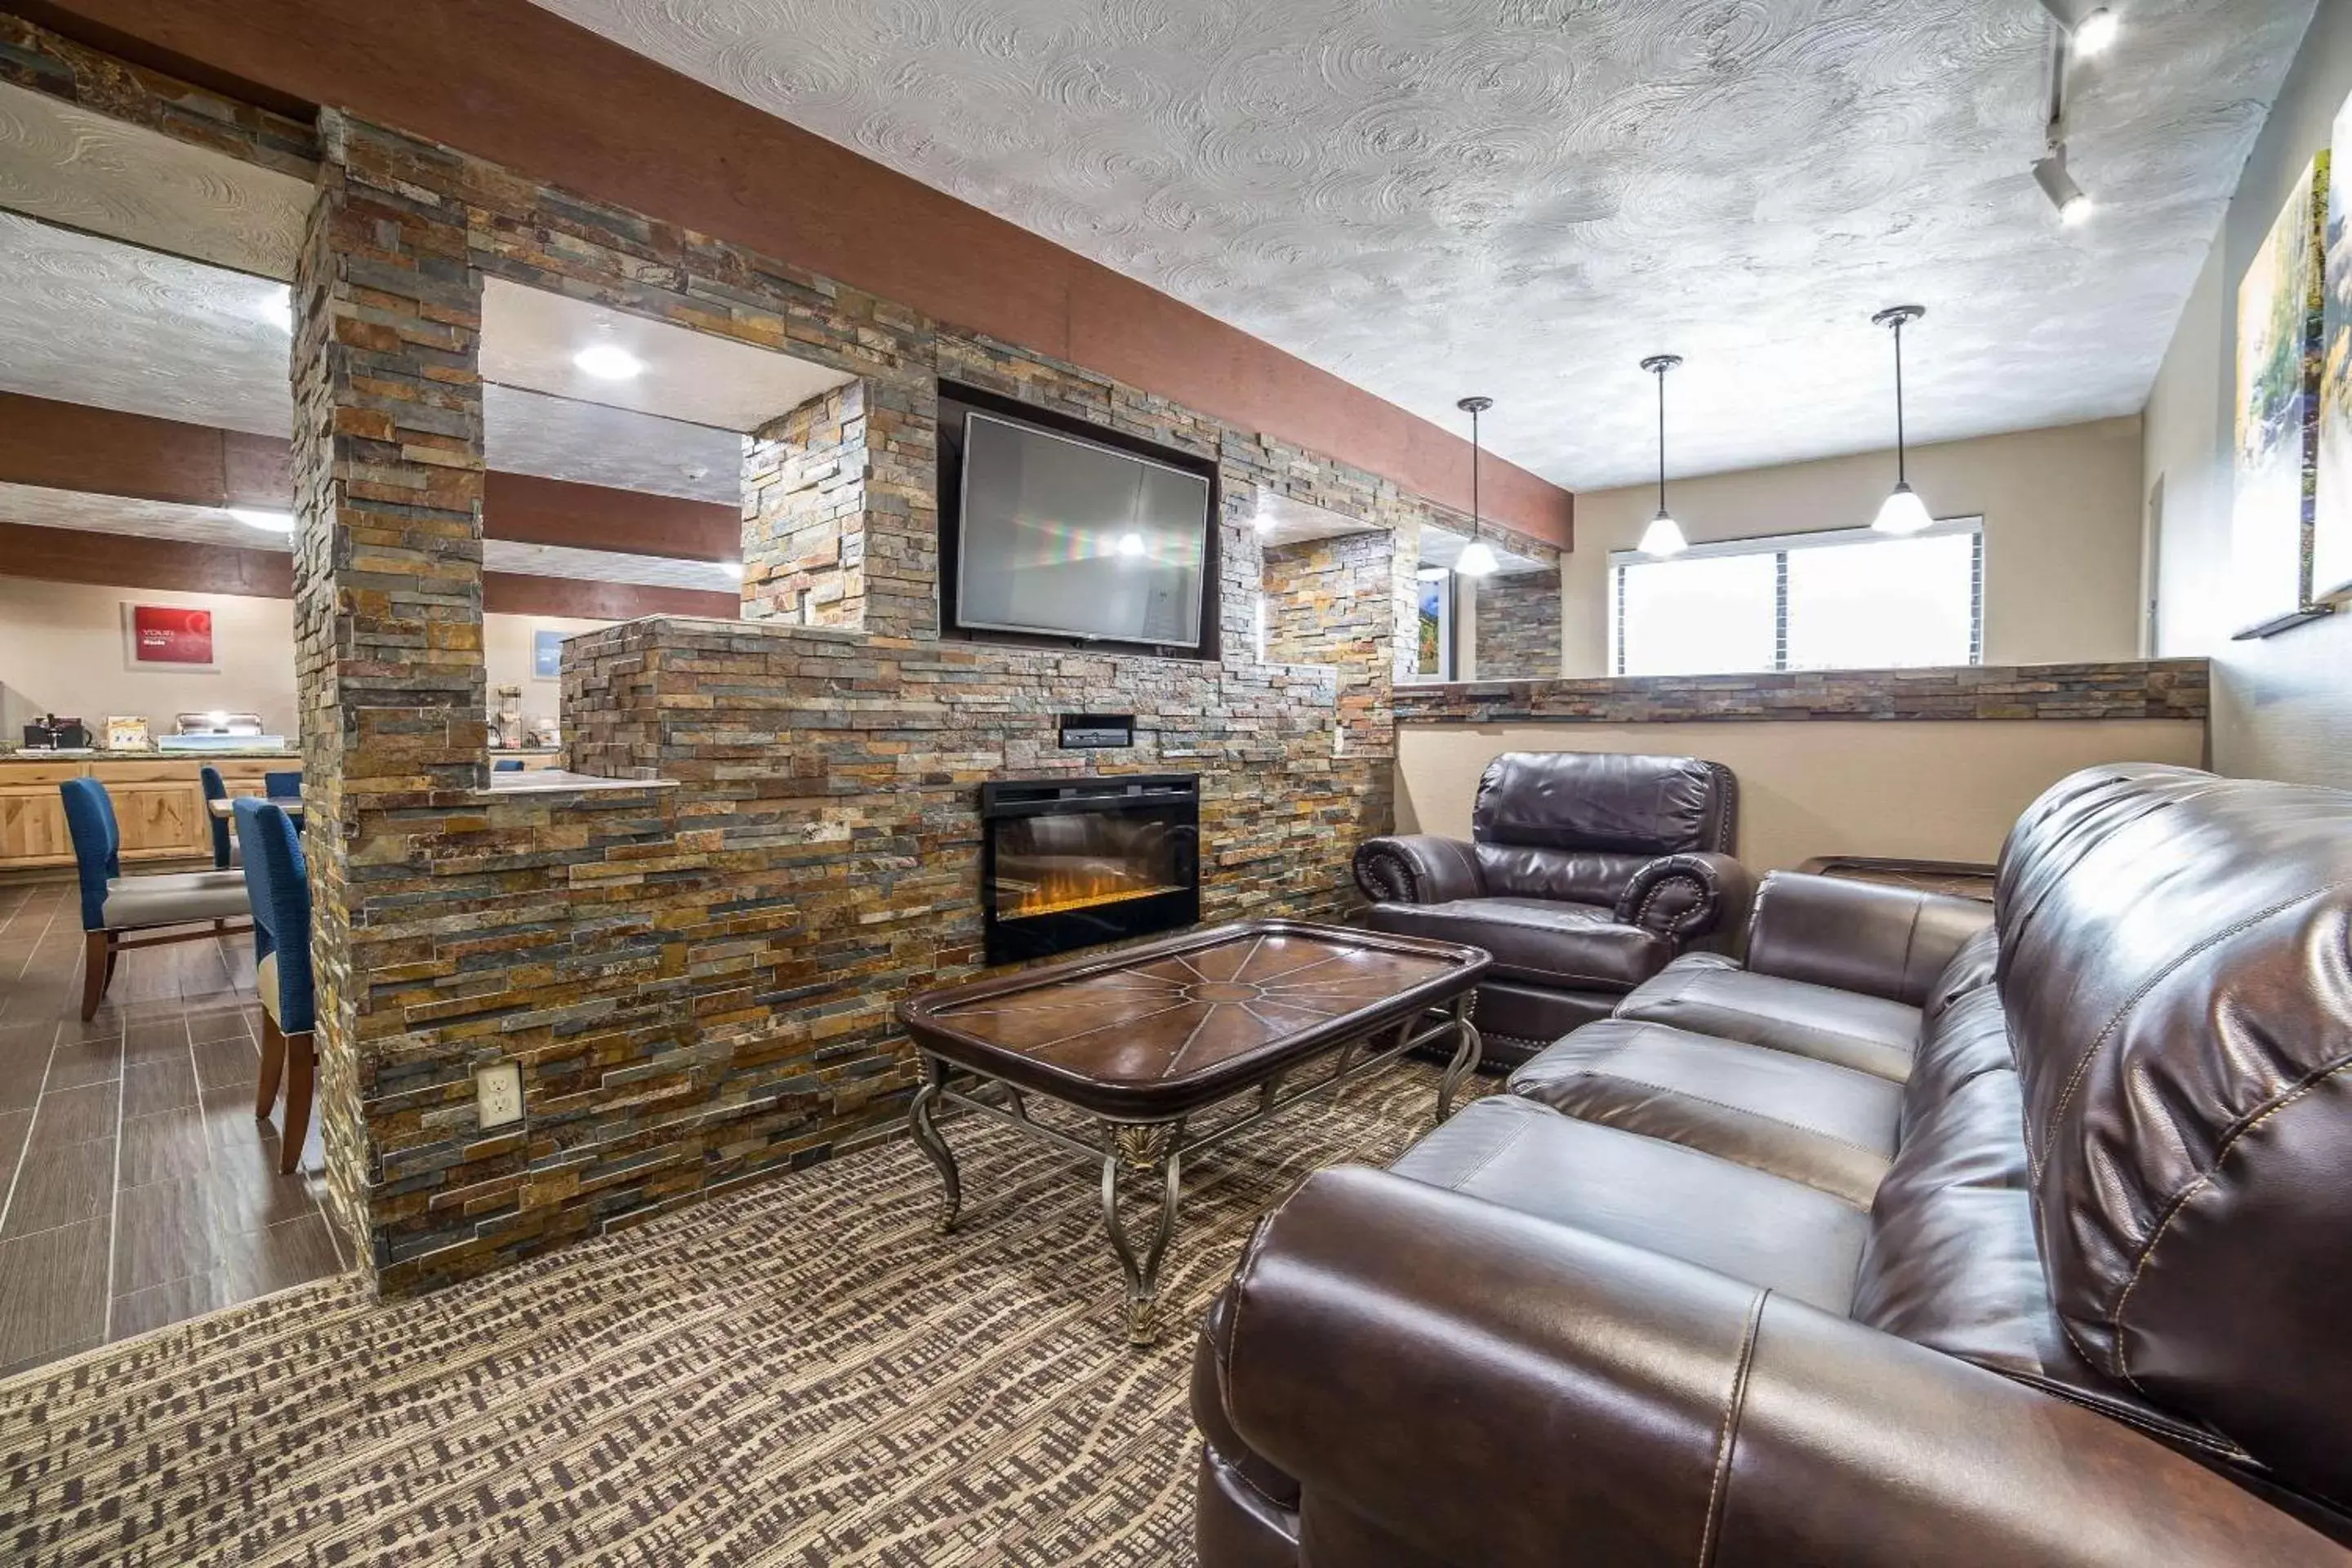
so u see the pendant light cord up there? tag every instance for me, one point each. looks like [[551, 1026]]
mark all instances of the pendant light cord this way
[[1901, 476], [1473, 475], [1661, 440]]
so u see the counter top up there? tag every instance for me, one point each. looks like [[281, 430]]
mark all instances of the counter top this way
[[35, 755], [2129, 688]]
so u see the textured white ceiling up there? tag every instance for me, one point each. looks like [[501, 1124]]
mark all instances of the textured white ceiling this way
[[531, 336], [1524, 197], [38, 508], [85, 319], [86, 170]]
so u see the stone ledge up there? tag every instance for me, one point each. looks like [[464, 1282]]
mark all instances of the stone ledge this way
[[2138, 689]]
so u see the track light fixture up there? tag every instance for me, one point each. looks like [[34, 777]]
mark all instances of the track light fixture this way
[[2073, 203], [1664, 535], [2093, 32], [1477, 558]]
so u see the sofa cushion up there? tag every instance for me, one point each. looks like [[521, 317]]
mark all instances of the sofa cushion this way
[[1605, 800], [1829, 1127], [1709, 994], [1574, 945], [142, 903], [1740, 1222], [1570, 876], [1969, 1039]]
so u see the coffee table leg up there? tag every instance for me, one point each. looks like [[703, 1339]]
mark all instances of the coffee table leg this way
[[1141, 1149], [919, 1116], [1467, 1049]]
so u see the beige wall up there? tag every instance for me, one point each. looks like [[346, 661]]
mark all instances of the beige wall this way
[[61, 651], [2282, 705], [2062, 511], [1941, 791]]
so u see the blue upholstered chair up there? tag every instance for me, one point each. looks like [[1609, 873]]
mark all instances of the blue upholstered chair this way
[[506, 765], [215, 789], [113, 905], [284, 786], [279, 890]]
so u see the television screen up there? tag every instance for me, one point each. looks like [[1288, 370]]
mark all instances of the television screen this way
[[1066, 538]]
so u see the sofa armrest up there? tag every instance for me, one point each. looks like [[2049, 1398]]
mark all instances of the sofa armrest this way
[[1859, 936], [1689, 894], [1475, 1386], [1417, 868]]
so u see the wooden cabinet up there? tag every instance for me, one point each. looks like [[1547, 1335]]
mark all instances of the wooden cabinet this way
[[159, 804]]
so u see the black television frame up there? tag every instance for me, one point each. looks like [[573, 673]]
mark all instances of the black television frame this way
[[957, 399]]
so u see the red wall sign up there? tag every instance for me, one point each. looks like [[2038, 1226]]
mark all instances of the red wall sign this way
[[165, 633]]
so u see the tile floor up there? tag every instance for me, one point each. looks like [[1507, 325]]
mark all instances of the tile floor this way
[[136, 1187]]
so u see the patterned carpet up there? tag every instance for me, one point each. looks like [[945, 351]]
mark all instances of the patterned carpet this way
[[802, 1374]]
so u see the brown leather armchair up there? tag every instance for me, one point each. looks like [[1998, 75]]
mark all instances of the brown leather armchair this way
[[1937, 1235], [1585, 873]]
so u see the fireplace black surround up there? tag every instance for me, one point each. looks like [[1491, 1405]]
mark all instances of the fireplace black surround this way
[[1067, 863]]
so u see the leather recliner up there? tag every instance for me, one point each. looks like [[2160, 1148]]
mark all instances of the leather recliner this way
[[1584, 875], [1938, 1235]]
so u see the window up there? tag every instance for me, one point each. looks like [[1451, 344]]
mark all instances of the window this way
[[1843, 599]]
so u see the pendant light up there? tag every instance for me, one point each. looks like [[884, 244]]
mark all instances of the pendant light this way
[[1664, 535], [1477, 560], [1903, 511]]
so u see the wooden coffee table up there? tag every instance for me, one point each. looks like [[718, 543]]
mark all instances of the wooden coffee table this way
[[1143, 1041]]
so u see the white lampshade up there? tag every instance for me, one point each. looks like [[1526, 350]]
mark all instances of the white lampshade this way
[[1904, 512], [1477, 560], [1663, 536]]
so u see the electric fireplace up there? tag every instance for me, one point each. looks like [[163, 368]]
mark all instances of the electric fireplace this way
[[1067, 863]]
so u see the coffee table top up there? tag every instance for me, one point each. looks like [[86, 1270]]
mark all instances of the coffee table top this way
[[1160, 1030]]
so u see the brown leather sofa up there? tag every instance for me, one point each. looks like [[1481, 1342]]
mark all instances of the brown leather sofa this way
[[1932, 1236], [1585, 874]]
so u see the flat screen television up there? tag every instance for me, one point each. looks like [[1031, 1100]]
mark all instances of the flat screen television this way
[[1061, 537]]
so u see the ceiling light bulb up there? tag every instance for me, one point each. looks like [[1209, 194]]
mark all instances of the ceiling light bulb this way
[[1477, 560], [609, 362], [2094, 33], [1904, 512], [1130, 544], [267, 521], [1663, 536], [733, 569], [2073, 206], [1432, 575], [277, 308]]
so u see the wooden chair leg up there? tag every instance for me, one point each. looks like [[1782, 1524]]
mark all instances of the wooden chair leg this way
[[96, 969], [301, 1062], [273, 1059]]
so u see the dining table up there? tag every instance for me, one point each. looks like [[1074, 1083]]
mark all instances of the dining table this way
[[292, 805]]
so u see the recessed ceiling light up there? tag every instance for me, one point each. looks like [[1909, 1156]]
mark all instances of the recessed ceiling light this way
[[609, 362], [733, 569], [1130, 543], [277, 308], [1432, 573], [267, 521]]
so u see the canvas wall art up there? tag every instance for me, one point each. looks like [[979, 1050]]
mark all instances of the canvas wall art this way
[[2331, 523], [2281, 314]]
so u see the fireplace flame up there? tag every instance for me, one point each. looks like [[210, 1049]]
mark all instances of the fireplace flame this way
[[1059, 888]]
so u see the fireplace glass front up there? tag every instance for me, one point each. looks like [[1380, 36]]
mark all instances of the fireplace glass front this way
[[1070, 863]]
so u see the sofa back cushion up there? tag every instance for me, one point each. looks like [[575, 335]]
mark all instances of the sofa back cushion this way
[[2175, 974], [1572, 875], [1605, 801]]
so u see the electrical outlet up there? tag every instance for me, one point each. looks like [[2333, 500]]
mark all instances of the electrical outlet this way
[[498, 1094]]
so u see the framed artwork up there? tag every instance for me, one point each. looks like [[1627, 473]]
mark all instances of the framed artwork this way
[[2331, 523], [2280, 311], [168, 637], [546, 655]]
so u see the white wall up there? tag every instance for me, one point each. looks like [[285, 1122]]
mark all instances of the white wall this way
[[61, 651], [2282, 705], [2062, 511]]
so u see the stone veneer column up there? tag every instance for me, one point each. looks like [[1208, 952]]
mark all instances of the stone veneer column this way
[[388, 589], [804, 499]]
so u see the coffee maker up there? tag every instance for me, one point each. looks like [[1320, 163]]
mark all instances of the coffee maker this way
[[51, 733]]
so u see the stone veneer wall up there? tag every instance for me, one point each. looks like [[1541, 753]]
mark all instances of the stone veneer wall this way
[[803, 505], [696, 975], [2140, 689], [1518, 630], [1333, 602]]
